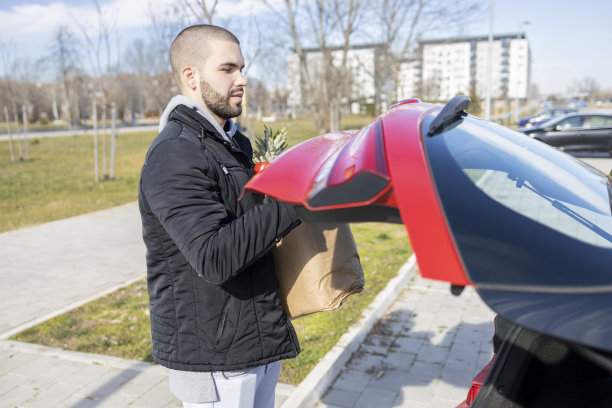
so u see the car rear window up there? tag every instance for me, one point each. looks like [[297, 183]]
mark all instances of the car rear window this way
[[520, 211]]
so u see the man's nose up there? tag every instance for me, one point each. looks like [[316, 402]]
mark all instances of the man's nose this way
[[241, 80]]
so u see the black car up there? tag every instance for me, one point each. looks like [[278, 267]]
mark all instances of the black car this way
[[544, 116], [578, 131]]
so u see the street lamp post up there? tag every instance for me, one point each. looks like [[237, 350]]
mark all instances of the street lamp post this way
[[490, 63], [517, 89]]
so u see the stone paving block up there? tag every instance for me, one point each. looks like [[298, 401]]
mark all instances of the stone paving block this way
[[463, 353], [441, 402], [13, 361], [323, 405], [391, 327], [144, 381], [399, 361], [373, 349], [408, 344], [457, 374], [400, 403], [451, 391], [78, 402], [484, 358], [468, 365], [352, 380], [114, 400], [179, 404], [83, 374], [376, 398], [424, 372], [442, 338], [341, 398], [156, 397], [49, 397], [363, 361], [418, 393], [10, 381], [40, 364], [17, 396], [393, 379], [59, 374], [430, 353], [421, 327], [106, 384]]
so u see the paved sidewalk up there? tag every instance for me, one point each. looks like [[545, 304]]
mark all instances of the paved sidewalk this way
[[424, 352], [50, 268], [33, 376]]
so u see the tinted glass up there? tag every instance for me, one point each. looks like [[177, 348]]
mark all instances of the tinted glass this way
[[601, 121], [573, 122], [521, 212]]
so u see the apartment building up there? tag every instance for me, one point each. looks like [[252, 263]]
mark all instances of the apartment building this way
[[458, 65], [441, 69]]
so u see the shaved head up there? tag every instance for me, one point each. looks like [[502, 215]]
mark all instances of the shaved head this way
[[191, 47]]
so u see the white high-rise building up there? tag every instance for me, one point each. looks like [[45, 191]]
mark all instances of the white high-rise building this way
[[440, 70], [458, 65]]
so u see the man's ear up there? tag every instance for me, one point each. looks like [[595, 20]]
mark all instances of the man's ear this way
[[191, 78]]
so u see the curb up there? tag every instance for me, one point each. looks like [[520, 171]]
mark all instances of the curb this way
[[79, 357], [5, 335], [312, 388]]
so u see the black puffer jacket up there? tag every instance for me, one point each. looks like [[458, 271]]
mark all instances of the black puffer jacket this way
[[212, 289]]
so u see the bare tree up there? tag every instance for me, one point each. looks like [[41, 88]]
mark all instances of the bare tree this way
[[64, 55], [100, 56], [402, 23], [586, 87], [13, 88], [200, 10], [325, 76]]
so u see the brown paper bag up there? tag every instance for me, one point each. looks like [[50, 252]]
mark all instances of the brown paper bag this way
[[317, 266]]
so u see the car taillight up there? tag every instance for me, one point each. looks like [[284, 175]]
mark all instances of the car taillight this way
[[356, 175], [478, 381]]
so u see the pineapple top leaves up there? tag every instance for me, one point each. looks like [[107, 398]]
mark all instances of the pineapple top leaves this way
[[272, 144]]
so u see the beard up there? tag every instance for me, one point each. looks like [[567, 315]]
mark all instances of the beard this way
[[218, 104]]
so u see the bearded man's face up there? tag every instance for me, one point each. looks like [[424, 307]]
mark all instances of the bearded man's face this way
[[224, 106]]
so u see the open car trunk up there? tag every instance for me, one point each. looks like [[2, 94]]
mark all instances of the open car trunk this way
[[533, 370]]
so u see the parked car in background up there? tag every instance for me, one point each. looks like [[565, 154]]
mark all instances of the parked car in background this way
[[579, 131], [528, 226], [543, 116]]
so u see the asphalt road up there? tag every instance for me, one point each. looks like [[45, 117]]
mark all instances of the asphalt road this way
[[79, 132]]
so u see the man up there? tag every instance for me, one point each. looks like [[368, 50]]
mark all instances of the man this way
[[216, 320]]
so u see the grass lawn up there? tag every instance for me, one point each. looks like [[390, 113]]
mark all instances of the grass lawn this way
[[58, 182]]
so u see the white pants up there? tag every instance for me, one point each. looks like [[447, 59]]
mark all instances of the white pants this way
[[252, 389]]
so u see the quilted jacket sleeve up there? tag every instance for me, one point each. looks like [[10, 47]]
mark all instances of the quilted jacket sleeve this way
[[186, 201]]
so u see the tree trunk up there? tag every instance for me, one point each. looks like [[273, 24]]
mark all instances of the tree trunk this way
[[10, 136], [25, 131], [104, 142], [19, 147], [113, 138], [95, 141]]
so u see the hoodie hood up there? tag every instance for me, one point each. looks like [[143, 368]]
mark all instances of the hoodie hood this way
[[227, 133]]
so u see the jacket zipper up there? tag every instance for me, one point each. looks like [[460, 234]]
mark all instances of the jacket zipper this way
[[224, 168], [222, 320]]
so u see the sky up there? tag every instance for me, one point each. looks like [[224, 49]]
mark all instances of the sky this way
[[570, 40]]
